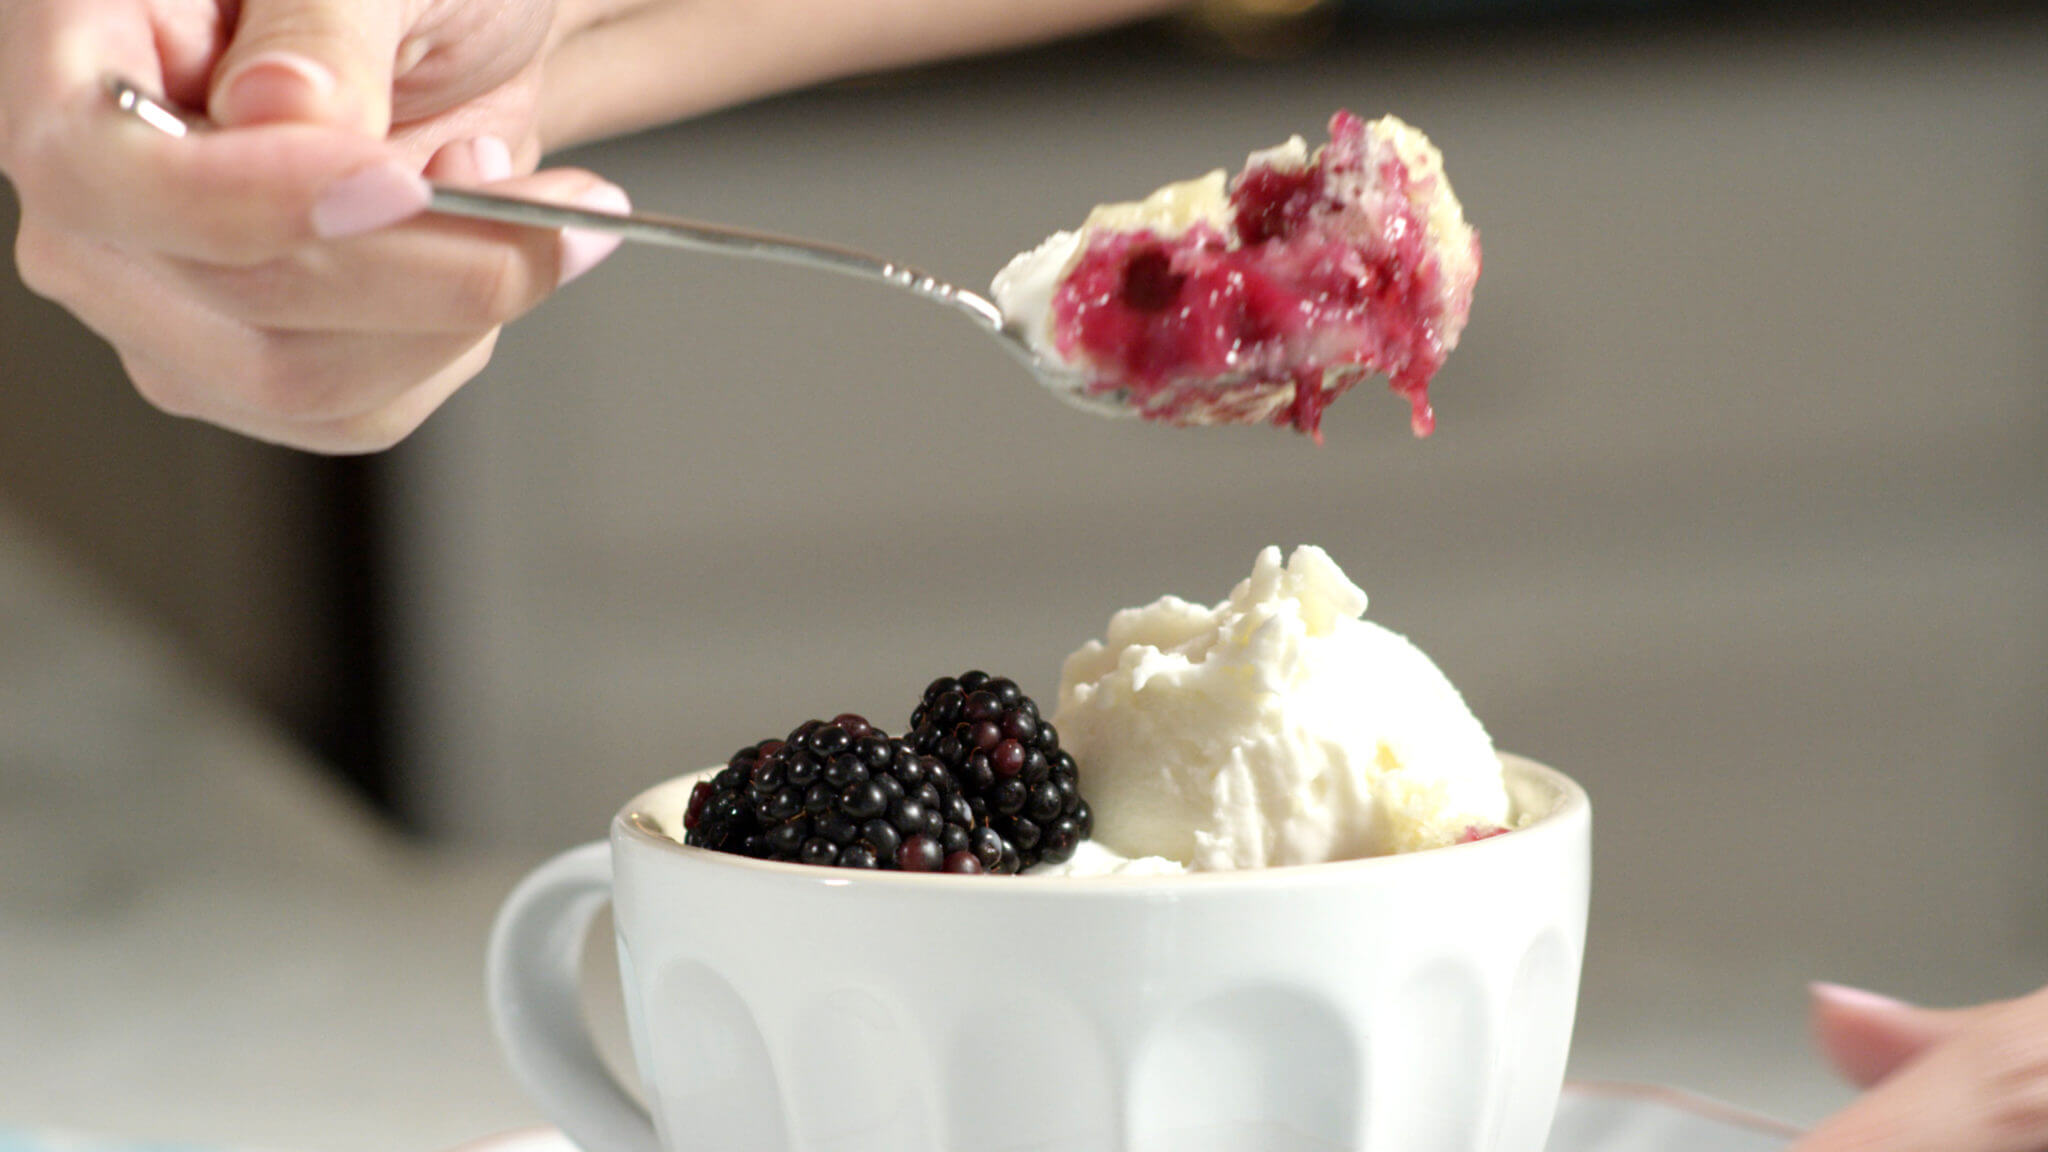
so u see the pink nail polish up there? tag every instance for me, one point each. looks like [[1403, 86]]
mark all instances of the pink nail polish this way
[[582, 250], [1854, 999], [493, 159], [371, 197]]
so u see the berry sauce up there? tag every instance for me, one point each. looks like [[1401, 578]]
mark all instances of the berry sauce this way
[[1314, 292], [1477, 832]]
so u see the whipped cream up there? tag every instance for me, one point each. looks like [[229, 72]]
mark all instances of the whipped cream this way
[[1277, 727], [1093, 858]]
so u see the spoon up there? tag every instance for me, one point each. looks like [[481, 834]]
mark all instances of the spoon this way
[[675, 232]]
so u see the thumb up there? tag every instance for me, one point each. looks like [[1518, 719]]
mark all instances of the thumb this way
[[309, 61], [1867, 1036]]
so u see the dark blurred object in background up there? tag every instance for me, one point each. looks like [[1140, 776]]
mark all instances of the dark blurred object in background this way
[[1280, 28], [262, 561]]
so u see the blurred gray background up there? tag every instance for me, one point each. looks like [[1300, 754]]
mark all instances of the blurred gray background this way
[[1736, 510]]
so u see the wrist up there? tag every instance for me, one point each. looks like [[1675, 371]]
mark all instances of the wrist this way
[[576, 98], [575, 17], [619, 65]]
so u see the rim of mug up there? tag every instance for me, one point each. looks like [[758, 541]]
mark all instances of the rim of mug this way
[[1571, 811]]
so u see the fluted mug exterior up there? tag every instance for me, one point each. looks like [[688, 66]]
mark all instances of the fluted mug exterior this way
[[1395, 1004]]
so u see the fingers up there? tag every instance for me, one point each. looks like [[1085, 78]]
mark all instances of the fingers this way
[[1867, 1036], [237, 197], [323, 62], [278, 276], [232, 197], [1982, 1087], [430, 275], [335, 348], [96, 169], [373, 430], [209, 365]]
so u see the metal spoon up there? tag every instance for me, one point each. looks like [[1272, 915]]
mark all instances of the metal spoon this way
[[674, 232]]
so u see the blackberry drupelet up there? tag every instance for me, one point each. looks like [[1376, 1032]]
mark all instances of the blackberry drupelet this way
[[839, 792], [1006, 761]]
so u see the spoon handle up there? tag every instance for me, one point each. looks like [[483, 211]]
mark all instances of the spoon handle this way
[[676, 232], [642, 227]]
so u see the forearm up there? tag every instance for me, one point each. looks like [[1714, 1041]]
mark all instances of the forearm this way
[[618, 65]]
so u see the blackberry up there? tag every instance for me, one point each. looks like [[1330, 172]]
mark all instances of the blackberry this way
[[1006, 760], [838, 792]]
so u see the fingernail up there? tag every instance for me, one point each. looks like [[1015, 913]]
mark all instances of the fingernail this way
[[273, 86], [493, 159], [369, 198], [583, 250], [1854, 999]]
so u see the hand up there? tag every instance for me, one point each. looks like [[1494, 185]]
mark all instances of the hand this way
[[273, 277], [1965, 1080]]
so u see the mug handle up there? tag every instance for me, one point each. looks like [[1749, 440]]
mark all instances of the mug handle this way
[[531, 980]]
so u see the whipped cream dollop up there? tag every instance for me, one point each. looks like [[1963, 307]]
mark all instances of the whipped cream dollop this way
[[1277, 727]]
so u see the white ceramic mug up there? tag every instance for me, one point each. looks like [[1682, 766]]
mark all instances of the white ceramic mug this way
[[1416, 1003]]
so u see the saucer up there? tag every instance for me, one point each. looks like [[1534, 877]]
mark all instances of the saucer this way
[[1604, 1116], [1593, 1116]]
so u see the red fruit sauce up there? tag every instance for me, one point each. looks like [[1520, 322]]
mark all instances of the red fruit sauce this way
[[1277, 321]]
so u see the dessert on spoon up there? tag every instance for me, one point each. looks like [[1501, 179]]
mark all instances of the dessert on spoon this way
[[1258, 299], [1261, 298]]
